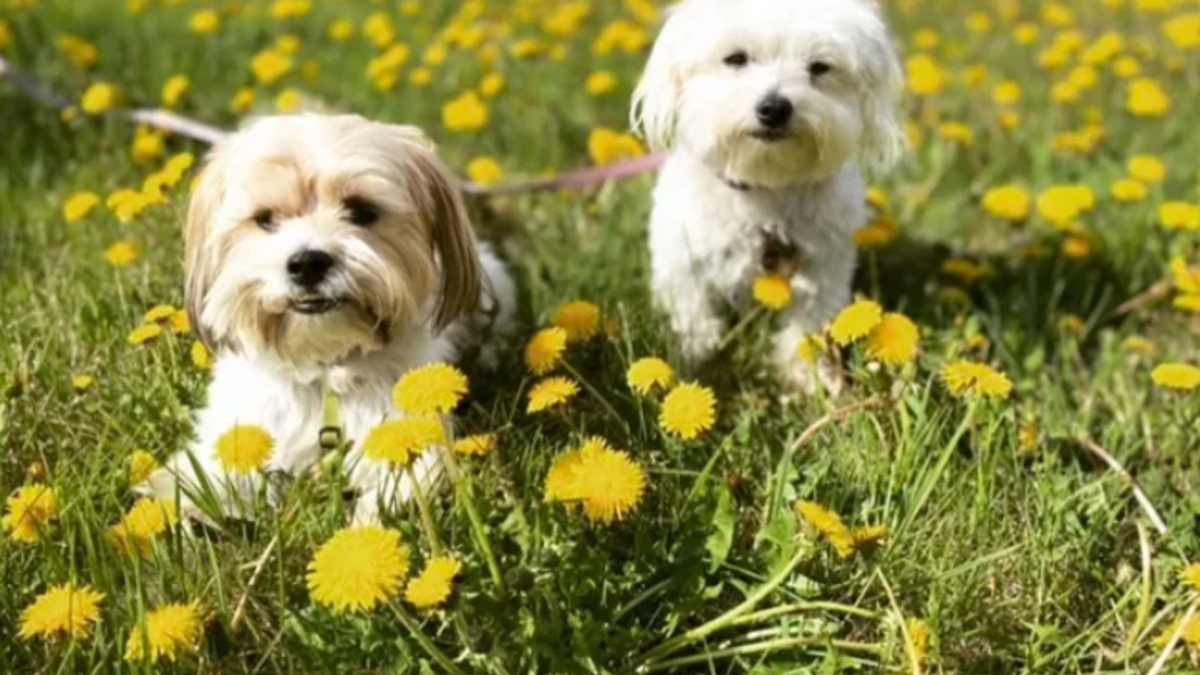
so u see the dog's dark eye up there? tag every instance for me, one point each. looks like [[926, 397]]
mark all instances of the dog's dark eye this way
[[819, 68], [737, 59], [361, 212], [265, 218]]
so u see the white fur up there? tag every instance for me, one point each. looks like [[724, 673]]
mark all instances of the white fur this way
[[303, 168], [724, 188]]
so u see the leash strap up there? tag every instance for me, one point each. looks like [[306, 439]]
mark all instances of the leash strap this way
[[331, 437]]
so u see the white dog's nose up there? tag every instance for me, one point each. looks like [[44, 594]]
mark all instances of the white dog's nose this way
[[774, 111], [309, 267]]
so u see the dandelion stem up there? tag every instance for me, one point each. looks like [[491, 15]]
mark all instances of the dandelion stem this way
[[422, 639], [464, 489], [725, 620], [741, 326], [431, 533], [768, 646], [597, 395], [773, 612]]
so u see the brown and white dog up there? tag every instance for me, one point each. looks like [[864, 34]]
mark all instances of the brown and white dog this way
[[327, 251]]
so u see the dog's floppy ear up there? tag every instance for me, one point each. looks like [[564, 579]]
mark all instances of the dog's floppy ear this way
[[655, 108], [881, 78], [439, 200], [200, 266]]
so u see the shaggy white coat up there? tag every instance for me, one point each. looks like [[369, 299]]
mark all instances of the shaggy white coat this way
[[732, 192]]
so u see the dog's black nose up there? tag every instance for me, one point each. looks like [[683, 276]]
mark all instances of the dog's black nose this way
[[774, 111], [309, 267]]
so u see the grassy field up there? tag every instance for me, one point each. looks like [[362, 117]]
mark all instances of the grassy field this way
[[1011, 545]]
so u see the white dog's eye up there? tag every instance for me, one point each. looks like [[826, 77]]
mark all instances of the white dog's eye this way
[[819, 68], [265, 219], [737, 59], [361, 212]]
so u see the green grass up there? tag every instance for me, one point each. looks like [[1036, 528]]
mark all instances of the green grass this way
[[1020, 559]]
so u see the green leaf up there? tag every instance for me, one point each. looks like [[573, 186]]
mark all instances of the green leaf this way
[[724, 521]]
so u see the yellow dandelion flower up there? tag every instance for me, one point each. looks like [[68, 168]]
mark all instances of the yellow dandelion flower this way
[[829, 524], [608, 482], [967, 271], [243, 100], [580, 318], [433, 388], [82, 382], [180, 322], [773, 291], [918, 638], [340, 30], [174, 89], [1147, 168], [1190, 575], [66, 610], [1128, 190], [1185, 278], [606, 146], [477, 444], [811, 348], [269, 65], [648, 373], [141, 465], [400, 440], [1181, 376], [688, 410], [600, 83], [560, 479], [966, 378], [420, 77], [1077, 247], [79, 205], [491, 85], [288, 101], [245, 448], [1189, 633], [358, 568], [169, 630], [856, 322], [893, 340], [926, 77], [1179, 215], [205, 22], [1139, 345], [1183, 30], [545, 349], [467, 112], [158, 313], [201, 358], [550, 392], [1008, 202], [484, 170], [98, 98], [1146, 98], [145, 333], [28, 511], [1063, 204], [121, 253], [149, 517], [433, 585]]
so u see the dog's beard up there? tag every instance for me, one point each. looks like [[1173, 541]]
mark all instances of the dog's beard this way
[[813, 147], [354, 313]]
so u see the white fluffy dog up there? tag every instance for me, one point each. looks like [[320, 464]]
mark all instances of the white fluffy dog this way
[[327, 251], [768, 108]]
